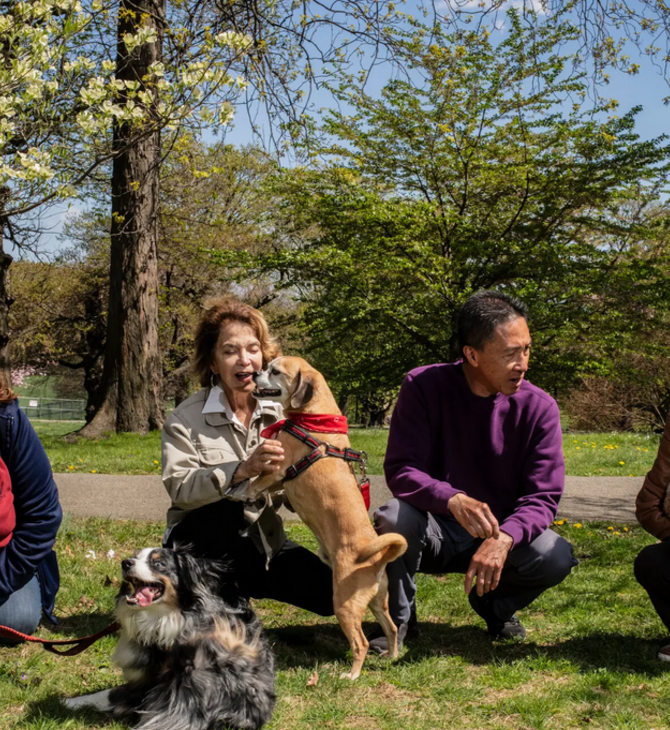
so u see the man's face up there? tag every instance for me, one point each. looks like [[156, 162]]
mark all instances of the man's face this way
[[500, 366]]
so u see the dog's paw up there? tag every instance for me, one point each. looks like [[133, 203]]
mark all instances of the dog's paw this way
[[97, 701], [350, 675]]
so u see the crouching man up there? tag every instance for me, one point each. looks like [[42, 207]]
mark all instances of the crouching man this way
[[475, 464]]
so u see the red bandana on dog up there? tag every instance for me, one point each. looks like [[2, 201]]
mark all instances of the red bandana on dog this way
[[310, 422]]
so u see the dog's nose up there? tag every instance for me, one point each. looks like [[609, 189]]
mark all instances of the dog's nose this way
[[127, 564], [255, 375]]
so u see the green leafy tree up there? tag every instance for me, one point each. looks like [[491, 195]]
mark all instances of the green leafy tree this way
[[474, 173]]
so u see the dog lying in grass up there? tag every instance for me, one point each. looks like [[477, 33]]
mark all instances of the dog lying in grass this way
[[190, 659]]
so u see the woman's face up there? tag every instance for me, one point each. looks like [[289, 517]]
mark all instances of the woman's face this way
[[237, 355]]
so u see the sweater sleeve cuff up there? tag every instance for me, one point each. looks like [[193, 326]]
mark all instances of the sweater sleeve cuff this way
[[514, 530]]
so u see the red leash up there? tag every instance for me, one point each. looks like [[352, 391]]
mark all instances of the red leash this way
[[50, 645]]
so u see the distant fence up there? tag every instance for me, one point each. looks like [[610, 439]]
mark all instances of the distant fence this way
[[54, 409]]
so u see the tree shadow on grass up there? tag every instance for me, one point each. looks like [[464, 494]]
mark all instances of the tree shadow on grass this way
[[602, 650], [304, 646]]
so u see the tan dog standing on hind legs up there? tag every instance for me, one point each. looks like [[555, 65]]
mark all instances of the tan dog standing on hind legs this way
[[327, 498]]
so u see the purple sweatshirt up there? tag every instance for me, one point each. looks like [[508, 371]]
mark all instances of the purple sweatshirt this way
[[502, 450]]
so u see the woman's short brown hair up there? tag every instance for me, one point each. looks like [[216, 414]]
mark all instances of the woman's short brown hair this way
[[217, 313]]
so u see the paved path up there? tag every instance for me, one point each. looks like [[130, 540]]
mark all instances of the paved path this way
[[143, 497]]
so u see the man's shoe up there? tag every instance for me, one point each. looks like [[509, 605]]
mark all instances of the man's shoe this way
[[664, 653], [496, 627], [379, 644], [512, 629]]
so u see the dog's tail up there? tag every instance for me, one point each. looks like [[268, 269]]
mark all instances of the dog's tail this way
[[383, 548]]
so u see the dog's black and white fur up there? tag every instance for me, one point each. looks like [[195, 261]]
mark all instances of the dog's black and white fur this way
[[192, 660]]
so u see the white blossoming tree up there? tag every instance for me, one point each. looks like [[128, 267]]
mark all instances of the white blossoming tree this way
[[67, 109], [85, 86]]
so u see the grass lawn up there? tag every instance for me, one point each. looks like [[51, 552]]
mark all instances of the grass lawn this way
[[589, 660], [586, 454]]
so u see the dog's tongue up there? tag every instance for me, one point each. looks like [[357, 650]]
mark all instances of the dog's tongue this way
[[145, 596]]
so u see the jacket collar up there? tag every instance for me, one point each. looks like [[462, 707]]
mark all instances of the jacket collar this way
[[217, 410]]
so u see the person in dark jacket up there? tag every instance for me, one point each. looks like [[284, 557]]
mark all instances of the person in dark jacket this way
[[652, 509], [29, 577], [475, 464]]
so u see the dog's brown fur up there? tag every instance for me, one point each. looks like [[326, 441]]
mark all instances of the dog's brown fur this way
[[327, 498]]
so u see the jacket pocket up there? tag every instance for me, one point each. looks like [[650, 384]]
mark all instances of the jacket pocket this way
[[213, 456]]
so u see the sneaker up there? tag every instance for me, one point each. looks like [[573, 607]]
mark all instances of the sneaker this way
[[496, 627], [664, 653], [379, 644], [512, 629]]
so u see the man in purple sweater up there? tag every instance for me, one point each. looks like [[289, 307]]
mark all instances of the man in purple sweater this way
[[475, 464]]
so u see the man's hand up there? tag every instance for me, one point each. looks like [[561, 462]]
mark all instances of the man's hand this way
[[475, 516], [266, 459], [487, 564]]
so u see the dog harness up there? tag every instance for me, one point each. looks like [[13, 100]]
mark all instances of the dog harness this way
[[322, 449]]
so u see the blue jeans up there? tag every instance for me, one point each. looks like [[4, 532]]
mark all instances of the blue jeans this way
[[438, 544], [22, 610]]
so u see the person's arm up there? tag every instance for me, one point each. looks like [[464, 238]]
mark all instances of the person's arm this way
[[191, 485], [38, 512], [409, 454], [649, 505], [543, 480]]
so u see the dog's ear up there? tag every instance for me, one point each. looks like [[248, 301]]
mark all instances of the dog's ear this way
[[303, 392]]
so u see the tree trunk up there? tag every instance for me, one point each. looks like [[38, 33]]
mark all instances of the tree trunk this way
[[5, 299], [130, 395]]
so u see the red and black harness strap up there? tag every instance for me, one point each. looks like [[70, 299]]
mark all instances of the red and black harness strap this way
[[78, 645], [321, 450]]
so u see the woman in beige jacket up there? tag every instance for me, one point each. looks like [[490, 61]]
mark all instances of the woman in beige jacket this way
[[212, 442], [652, 509]]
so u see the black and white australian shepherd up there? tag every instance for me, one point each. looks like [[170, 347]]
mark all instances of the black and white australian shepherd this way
[[192, 660]]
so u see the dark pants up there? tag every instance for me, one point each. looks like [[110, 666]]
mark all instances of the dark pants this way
[[295, 575], [438, 544], [652, 572]]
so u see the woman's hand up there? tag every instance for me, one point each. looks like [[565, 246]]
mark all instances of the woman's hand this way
[[266, 459]]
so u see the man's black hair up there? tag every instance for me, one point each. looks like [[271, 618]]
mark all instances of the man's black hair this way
[[482, 313]]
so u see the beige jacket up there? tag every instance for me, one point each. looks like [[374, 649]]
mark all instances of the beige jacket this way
[[652, 507], [200, 454]]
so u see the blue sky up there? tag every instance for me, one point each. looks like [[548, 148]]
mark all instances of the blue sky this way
[[646, 89]]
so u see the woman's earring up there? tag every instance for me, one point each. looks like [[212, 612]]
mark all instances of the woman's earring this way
[[212, 379]]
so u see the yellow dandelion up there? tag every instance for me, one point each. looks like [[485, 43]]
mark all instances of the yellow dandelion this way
[[578, 525], [70, 467], [610, 528], [81, 461], [616, 533], [578, 448], [625, 529], [622, 463], [155, 462], [92, 471]]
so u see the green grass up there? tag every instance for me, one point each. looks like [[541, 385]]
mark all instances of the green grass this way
[[589, 660], [586, 454]]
